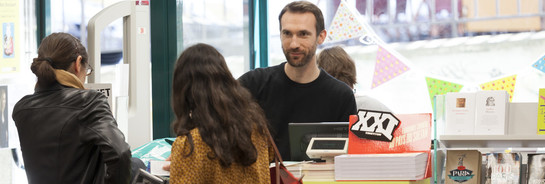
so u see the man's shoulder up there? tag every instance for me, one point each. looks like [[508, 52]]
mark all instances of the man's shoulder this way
[[260, 74], [263, 71]]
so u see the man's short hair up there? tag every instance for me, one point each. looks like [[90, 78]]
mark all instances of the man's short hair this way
[[304, 7]]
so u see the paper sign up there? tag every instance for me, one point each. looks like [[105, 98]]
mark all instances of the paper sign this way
[[507, 84], [541, 112], [413, 134], [387, 67], [104, 88], [375, 125], [11, 39], [440, 87], [540, 64], [345, 25]]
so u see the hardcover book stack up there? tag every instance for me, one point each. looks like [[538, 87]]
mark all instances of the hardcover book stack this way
[[313, 171], [405, 158], [394, 166]]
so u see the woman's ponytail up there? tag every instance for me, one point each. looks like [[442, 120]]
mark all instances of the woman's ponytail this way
[[44, 70]]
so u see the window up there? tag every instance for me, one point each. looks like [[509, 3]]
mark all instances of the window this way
[[464, 42], [222, 24]]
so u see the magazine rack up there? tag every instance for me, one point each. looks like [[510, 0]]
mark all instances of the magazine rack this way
[[521, 137]]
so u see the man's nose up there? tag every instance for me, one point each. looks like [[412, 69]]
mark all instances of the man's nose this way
[[294, 43]]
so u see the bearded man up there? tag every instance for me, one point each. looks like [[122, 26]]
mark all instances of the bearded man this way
[[298, 91]]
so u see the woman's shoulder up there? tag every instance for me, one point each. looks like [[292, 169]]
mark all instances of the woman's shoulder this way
[[195, 137]]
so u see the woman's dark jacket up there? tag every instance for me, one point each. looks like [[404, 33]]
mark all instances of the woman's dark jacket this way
[[69, 135]]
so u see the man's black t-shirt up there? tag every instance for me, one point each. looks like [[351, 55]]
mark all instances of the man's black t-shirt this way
[[284, 101]]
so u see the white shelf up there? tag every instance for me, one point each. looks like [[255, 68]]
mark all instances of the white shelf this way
[[492, 141], [522, 132]]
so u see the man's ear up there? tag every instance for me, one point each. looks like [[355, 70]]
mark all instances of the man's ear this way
[[321, 36]]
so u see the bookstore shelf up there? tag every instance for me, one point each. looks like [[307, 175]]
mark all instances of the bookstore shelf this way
[[521, 137], [492, 141]]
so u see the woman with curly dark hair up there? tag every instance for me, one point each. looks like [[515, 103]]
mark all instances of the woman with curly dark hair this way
[[222, 134]]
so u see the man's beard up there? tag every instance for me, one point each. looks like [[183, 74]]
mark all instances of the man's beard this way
[[307, 57]]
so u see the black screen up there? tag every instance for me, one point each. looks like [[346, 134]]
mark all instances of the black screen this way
[[328, 144]]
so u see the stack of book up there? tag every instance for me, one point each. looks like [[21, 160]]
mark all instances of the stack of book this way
[[393, 166], [313, 171]]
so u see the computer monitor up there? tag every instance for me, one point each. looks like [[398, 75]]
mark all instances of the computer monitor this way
[[301, 134]]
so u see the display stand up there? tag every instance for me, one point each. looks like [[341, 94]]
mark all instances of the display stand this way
[[137, 55], [521, 137]]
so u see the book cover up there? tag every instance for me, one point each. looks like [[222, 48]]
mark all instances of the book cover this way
[[503, 168], [541, 112], [4, 133], [536, 169], [463, 166], [412, 134], [491, 112], [459, 113]]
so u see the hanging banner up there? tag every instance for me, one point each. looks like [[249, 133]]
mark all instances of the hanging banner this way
[[346, 24], [10, 41], [540, 64], [387, 67], [507, 84], [440, 87]]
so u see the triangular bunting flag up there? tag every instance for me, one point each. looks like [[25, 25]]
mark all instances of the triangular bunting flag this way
[[506, 84], [540, 64], [440, 87], [345, 25], [387, 67]]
